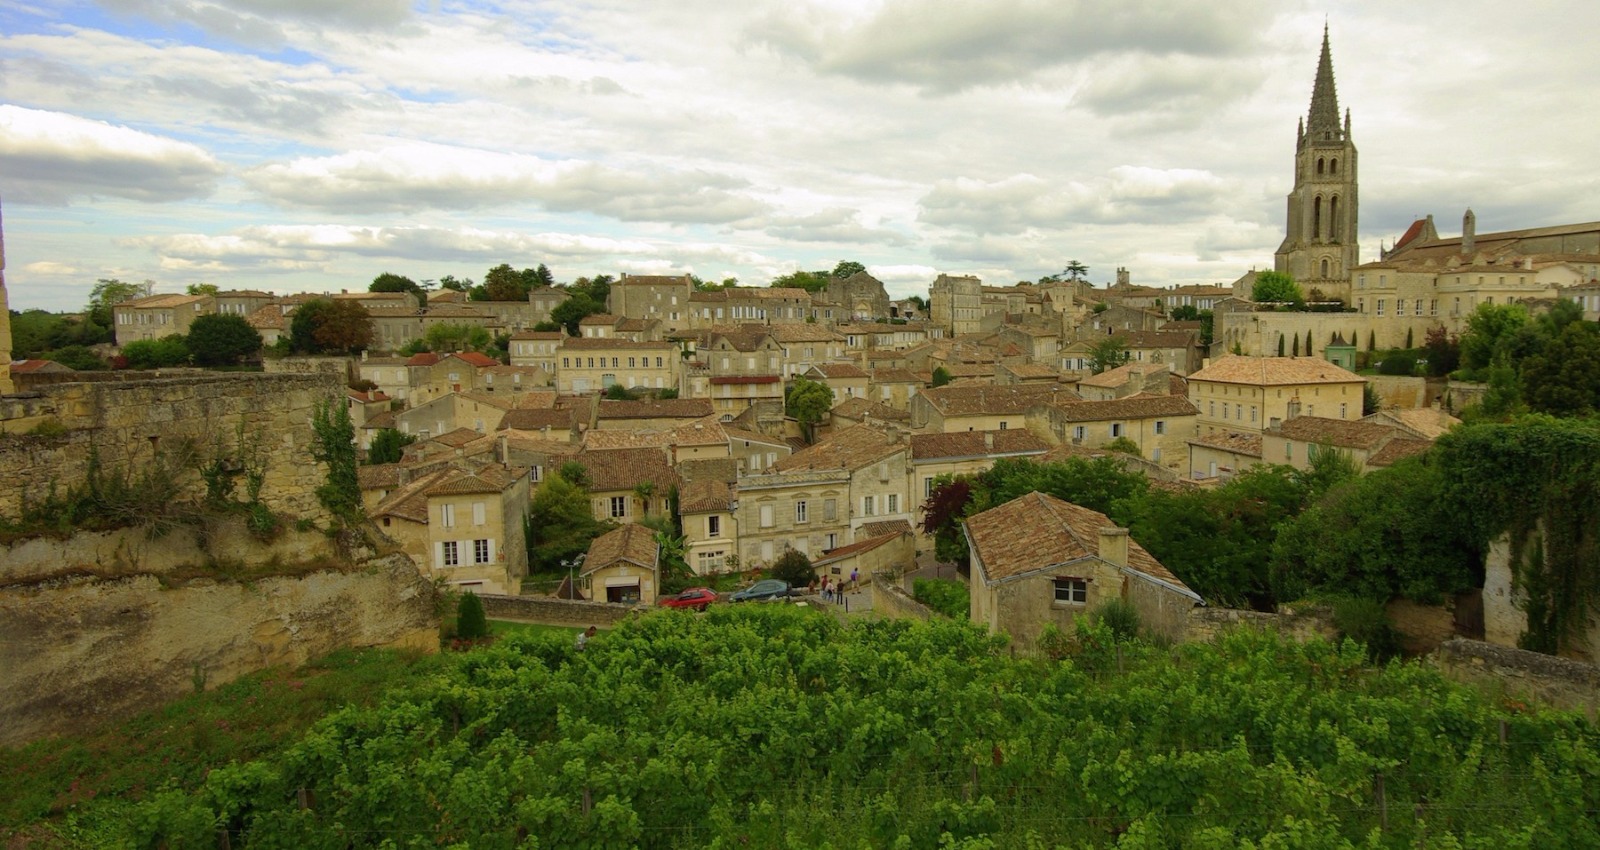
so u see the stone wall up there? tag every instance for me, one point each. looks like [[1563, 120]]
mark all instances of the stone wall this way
[[124, 423], [553, 611], [343, 368], [182, 551], [892, 601], [1398, 391], [1517, 673], [1206, 624], [79, 651], [1459, 396]]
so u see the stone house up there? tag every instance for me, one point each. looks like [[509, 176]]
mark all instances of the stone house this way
[[846, 380], [623, 565], [980, 407], [627, 484], [877, 460], [861, 296], [754, 451], [892, 550], [477, 412], [1126, 380], [710, 533], [1160, 425], [805, 510], [500, 378], [894, 387], [242, 302], [536, 348], [1026, 373], [1297, 441], [1038, 561], [1220, 455], [962, 453], [157, 316], [736, 367], [1249, 394], [464, 527], [661, 297], [806, 344], [593, 365], [649, 413], [433, 375]]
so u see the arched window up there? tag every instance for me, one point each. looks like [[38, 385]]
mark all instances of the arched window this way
[[1333, 166], [1324, 269], [1333, 219], [1320, 164], [1316, 217]]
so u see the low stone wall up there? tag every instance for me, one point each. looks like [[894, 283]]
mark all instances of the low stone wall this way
[[343, 367], [1399, 391], [891, 601], [1459, 395], [77, 652], [1557, 682], [1422, 628], [1206, 624], [553, 611]]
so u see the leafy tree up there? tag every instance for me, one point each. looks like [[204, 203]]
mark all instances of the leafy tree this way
[[329, 326], [1108, 353], [1280, 345], [618, 392], [1490, 329], [1327, 468], [388, 446], [1294, 352], [946, 506], [807, 401], [941, 376], [109, 292], [1398, 363], [160, 353], [1563, 378], [455, 284], [546, 327], [79, 357], [949, 597], [560, 523], [847, 268], [1207, 327], [216, 339], [1370, 402], [922, 303], [471, 622], [449, 336], [575, 473], [1309, 352], [1101, 307], [1443, 351], [809, 281], [573, 310], [1184, 313], [1076, 270], [334, 445], [202, 289], [1277, 287], [389, 282], [1125, 446], [793, 567], [503, 283]]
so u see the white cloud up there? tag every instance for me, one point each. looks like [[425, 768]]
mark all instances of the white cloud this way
[[52, 157], [267, 22], [50, 268], [836, 225], [1024, 202], [414, 176]]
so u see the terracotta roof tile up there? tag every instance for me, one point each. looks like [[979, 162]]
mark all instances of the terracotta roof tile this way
[[838, 371], [975, 444], [1141, 406], [858, 547], [674, 408], [536, 419], [992, 398], [704, 496], [851, 448], [1397, 449], [621, 469], [1274, 371], [632, 543], [1231, 441], [860, 408], [589, 344]]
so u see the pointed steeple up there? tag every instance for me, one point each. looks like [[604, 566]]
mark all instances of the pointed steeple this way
[[1324, 123]]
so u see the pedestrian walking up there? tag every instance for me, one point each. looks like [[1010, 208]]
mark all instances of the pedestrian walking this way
[[855, 578]]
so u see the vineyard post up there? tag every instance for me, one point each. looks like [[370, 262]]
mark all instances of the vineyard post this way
[[1383, 805], [225, 841], [303, 798], [588, 800]]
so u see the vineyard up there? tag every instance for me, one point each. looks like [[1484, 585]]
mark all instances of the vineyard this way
[[778, 727]]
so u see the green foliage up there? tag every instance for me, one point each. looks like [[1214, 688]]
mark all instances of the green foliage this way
[[1207, 327], [448, 337], [216, 339], [560, 523], [1490, 330], [1101, 307], [330, 326], [949, 597], [160, 353], [1125, 446], [809, 281], [1119, 617], [333, 445], [150, 493], [1443, 351], [37, 334], [941, 376], [109, 292], [387, 282], [1365, 621], [1398, 363], [79, 357], [1370, 401], [846, 268], [618, 392], [793, 567], [471, 623], [1277, 287], [1184, 313], [388, 446], [1108, 353], [1562, 377], [769, 726], [807, 401], [570, 312]]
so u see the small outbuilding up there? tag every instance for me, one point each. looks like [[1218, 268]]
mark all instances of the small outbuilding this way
[[624, 565]]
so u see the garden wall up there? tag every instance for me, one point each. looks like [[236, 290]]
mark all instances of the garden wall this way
[[1559, 682], [553, 611], [891, 601]]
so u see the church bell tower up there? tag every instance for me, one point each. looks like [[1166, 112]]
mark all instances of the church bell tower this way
[[1320, 247]]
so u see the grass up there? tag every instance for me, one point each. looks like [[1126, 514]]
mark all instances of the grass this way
[[501, 628], [178, 744]]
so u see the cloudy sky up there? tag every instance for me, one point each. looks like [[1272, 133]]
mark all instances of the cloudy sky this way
[[300, 145]]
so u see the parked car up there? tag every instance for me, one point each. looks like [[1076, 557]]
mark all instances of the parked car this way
[[695, 597], [762, 591]]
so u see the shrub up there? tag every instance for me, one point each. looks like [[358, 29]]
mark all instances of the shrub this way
[[1398, 363], [471, 623], [1120, 617], [946, 596], [794, 568], [1365, 621]]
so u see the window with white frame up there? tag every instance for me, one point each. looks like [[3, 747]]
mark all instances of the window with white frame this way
[[894, 504], [480, 551], [1079, 432], [866, 505], [830, 510], [478, 513], [766, 516], [713, 526], [927, 487], [800, 512], [1116, 430], [447, 515], [619, 507], [1071, 591], [451, 553]]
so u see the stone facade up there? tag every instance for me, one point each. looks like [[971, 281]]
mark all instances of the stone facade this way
[[1557, 682], [1320, 248]]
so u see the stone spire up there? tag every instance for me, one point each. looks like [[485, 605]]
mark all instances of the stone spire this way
[[5, 321], [1324, 123]]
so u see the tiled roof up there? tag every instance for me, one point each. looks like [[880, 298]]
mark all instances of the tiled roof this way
[[589, 344], [382, 420], [1274, 371], [474, 358], [492, 478], [704, 496], [851, 448], [753, 436], [1113, 378], [536, 419], [1396, 449], [1231, 441], [1345, 434], [1036, 531], [975, 444], [740, 380], [268, 317], [675, 408], [534, 399], [527, 335], [886, 526], [1031, 370], [653, 280], [991, 398], [23, 367], [497, 401], [383, 476], [1157, 339], [1426, 422], [621, 469], [856, 548], [411, 501], [632, 543], [597, 319], [790, 332], [161, 301], [838, 371], [860, 408], [425, 358], [724, 469], [895, 376], [1141, 406], [457, 438]]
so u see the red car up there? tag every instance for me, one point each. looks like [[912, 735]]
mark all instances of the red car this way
[[695, 597]]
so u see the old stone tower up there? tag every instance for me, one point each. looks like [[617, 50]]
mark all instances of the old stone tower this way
[[1320, 248], [5, 320]]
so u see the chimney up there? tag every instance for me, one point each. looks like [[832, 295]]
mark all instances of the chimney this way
[[504, 452], [1114, 545], [1469, 232], [403, 476]]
